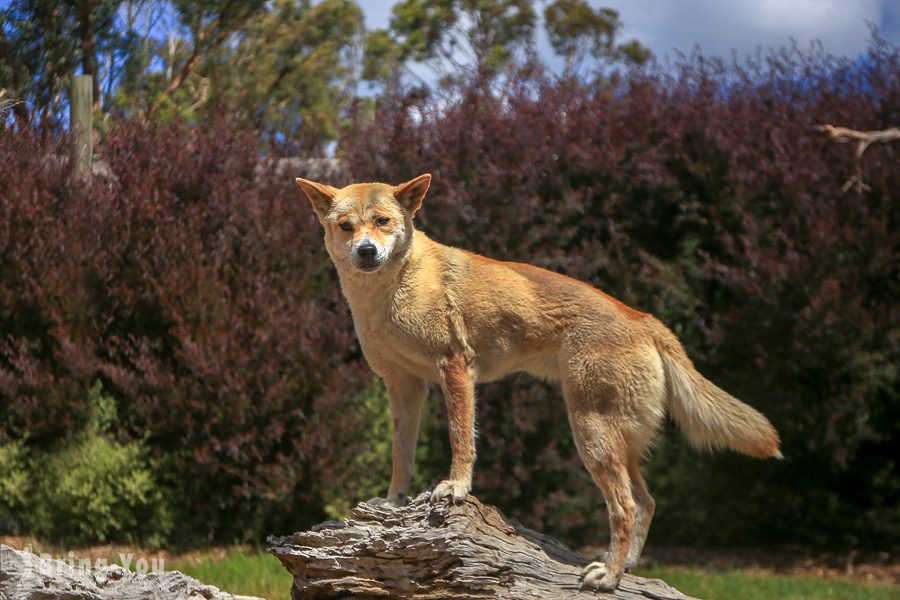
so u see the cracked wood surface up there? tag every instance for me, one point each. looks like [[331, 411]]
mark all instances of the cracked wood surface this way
[[448, 551], [27, 576]]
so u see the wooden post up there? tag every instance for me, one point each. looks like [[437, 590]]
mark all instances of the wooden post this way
[[81, 104]]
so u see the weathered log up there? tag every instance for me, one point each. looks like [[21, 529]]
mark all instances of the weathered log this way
[[26, 576], [448, 551]]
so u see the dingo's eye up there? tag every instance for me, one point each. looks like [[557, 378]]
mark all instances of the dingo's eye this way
[[382, 221], [346, 226]]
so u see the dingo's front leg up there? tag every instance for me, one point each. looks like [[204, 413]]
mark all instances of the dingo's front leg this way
[[458, 386], [405, 394]]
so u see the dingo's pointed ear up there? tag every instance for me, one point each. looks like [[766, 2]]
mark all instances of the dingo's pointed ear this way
[[411, 193], [320, 196]]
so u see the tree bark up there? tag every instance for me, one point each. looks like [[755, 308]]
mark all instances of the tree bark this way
[[26, 576], [440, 551], [87, 34]]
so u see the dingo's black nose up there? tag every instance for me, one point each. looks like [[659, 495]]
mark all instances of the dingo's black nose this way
[[367, 251]]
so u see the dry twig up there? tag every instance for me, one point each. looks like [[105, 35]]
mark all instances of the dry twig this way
[[862, 139]]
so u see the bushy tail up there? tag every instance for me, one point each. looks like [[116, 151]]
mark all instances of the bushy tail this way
[[709, 416]]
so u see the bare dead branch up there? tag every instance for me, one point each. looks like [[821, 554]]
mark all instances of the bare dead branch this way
[[863, 139]]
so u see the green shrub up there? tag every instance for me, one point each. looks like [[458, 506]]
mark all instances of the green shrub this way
[[14, 484], [94, 489], [97, 490]]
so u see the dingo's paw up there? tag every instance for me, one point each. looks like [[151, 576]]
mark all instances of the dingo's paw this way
[[456, 491], [396, 501], [597, 577]]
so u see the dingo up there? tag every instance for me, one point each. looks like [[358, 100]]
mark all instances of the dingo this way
[[425, 312]]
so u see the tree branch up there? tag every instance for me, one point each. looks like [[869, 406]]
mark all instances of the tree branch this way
[[206, 40], [863, 139], [19, 107]]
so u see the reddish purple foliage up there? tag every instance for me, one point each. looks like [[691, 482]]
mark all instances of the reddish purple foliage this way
[[199, 291]]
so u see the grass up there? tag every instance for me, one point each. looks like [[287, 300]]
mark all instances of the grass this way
[[754, 585], [251, 574], [256, 573]]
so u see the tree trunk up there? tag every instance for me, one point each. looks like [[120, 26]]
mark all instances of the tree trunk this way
[[26, 576], [88, 38], [441, 551]]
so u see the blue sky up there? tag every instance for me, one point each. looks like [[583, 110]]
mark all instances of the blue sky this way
[[720, 26]]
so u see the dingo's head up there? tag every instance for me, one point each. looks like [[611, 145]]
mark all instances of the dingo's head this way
[[366, 224]]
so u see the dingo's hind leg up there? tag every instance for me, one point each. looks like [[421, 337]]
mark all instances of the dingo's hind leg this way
[[645, 505], [607, 465], [614, 401]]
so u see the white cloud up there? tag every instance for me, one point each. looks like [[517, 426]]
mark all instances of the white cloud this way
[[720, 26]]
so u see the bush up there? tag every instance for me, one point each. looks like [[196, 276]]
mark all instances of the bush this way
[[89, 489], [93, 489], [15, 484], [194, 285]]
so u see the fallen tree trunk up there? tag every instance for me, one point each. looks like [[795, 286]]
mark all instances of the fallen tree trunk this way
[[441, 551], [26, 576]]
